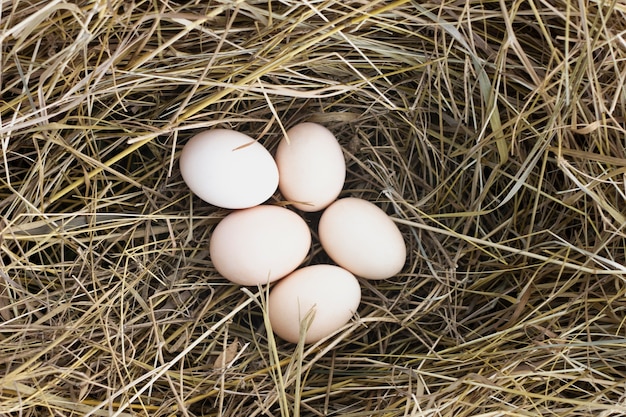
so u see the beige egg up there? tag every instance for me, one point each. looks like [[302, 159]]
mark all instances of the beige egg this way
[[361, 238], [331, 292], [311, 166], [228, 169], [259, 245]]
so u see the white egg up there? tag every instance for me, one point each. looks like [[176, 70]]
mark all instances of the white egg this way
[[228, 169]]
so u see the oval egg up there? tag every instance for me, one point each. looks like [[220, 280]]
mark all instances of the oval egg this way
[[360, 237], [311, 166], [259, 245], [228, 169], [331, 293]]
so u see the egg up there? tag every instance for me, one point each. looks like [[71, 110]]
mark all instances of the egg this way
[[362, 238], [332, 293], [228, 169], [311, 166], [259, 245]]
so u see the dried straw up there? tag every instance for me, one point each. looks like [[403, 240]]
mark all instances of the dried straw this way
[[492, 132]]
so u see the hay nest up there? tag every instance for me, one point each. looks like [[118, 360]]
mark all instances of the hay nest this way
[[493, 133]]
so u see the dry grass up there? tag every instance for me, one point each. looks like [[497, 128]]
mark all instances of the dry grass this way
[[493, 132]]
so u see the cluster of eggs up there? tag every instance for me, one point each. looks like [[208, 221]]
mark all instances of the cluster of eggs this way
[[261, 243]]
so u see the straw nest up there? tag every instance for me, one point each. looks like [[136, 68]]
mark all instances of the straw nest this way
[[492, 132]]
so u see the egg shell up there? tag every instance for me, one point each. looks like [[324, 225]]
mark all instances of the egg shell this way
[[362, 238], [311, 166], [331, 291], [259, 245], [228, 169]]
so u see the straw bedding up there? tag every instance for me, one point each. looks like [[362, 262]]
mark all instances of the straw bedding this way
[[492, 132]]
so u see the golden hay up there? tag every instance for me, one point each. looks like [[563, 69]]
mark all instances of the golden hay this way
[[493, 132]]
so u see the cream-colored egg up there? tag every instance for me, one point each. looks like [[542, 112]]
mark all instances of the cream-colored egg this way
[[311, 165], [331, 292], [360, 237], [259, 244], [228, 169]]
